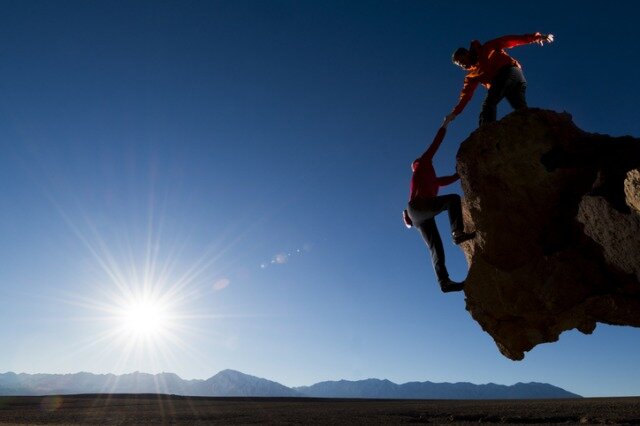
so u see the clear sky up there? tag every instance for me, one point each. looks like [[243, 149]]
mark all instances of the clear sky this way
[[191, 186]]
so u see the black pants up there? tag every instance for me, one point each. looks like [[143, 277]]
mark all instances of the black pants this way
[[423, 213], [509, 83]]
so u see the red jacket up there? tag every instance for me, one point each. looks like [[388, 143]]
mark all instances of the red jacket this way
[[491, 58], [424, 182]]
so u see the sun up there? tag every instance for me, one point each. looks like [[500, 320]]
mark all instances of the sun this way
[[145, 318], [141, 297]]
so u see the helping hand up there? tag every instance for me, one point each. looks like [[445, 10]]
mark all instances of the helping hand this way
[[544, 38], [448, 119]]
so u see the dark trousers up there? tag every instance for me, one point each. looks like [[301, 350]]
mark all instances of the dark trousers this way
[[423, 213], [509, 83]]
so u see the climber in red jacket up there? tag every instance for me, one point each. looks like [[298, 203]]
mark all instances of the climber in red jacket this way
[[425, 204], [488, 64]]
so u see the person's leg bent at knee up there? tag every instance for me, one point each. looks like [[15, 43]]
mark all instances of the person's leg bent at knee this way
[[516, 91], [488, 112], [453, 205]]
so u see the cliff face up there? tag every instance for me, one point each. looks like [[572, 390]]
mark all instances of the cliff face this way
[[557, 215]]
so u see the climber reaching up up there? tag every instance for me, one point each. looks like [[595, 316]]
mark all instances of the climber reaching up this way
[[488, 64], [425, 204]]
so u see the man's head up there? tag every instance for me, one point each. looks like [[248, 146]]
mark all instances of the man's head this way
[[463, 58], [414, 165]]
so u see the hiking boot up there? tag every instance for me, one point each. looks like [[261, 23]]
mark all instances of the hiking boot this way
[[460, 237], [449, 286]]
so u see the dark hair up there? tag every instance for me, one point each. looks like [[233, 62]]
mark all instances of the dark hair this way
[[459, 51]]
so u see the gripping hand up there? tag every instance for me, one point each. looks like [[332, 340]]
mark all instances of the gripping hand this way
[[544, 38]]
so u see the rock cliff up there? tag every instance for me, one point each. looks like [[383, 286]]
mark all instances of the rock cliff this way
[[557, 215]]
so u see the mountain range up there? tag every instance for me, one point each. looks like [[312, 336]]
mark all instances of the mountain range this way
[[228, 383]]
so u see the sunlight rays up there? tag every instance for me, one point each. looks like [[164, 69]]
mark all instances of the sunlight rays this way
[[144, 283], [143, 297]]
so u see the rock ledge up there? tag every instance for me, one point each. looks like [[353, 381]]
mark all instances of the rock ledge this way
[[557, 212]]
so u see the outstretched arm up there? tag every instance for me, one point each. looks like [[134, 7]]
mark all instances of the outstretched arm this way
[[466, 93], [435, 144], [509, 41]]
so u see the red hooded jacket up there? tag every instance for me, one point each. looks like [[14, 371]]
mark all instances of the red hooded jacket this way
[[424, 182]]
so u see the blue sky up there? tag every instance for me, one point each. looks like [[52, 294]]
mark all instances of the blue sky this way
[[246, 162]]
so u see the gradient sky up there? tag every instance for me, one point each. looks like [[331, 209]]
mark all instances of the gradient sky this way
[[247, 163]]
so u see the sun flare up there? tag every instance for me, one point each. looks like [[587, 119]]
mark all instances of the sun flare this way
[[145, 318]]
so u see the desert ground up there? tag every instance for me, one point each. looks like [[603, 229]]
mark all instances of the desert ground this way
[[105, 409]]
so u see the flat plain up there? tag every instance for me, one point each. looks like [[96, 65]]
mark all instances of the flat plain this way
[[123, 409]]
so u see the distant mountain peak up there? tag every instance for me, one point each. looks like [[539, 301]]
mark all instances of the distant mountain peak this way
[[227, 383], [232, 373], [376, 388]]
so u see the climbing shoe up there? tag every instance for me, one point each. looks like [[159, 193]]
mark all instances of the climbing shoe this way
[[449, 286], [461, 237]]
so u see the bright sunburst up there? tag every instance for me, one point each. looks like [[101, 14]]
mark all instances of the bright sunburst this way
[[145, 318], [145, 305], [141, 296]]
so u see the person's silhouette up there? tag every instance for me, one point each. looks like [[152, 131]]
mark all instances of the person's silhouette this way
[[425, 204], [488, 64]]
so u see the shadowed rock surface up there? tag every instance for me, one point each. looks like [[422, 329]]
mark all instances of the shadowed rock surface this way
[[557, 215]]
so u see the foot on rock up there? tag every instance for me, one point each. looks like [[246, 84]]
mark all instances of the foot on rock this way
[[461, 237], [449, 286]]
